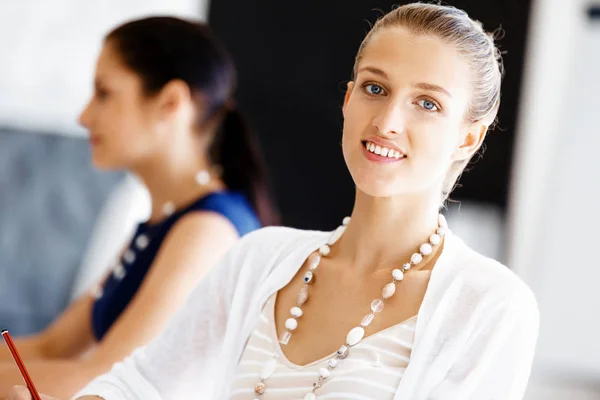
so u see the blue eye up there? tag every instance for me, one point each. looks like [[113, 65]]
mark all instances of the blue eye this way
[[373, 89], [428, 105]]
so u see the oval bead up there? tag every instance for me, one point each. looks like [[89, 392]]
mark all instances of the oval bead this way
[[314, 261], [426, 249], [324, 373], [268, 369], [355, 335], [142, 242], [388, 290], [308, 277], [441, 231], [377, 305], [416, 258], [346, 221], [397, 274], [291, 324], [310, 396], [129, 256], [302, 295], [332, 363], [296, 312]]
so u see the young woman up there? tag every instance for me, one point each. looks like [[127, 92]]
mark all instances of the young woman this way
[[391, 305], [162, 109]]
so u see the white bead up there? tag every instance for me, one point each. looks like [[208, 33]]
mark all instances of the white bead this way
[[168, 208], [332, 363], [435, 239], [291, 324], [355, 335], [442, 221], [336, 235], [366, 321], [142, 242], [296, 312], [388, 290], [203, 178], [302, 295], [426, 249], [346, 221], [129, 256], [416, 258], [310, 396], [285, 337], [324, 372], [98, 292], [397, 274], [308, 277], [324, 250], [119, 272], [441, 231], [377, 305], [268, 369], [314, 260]]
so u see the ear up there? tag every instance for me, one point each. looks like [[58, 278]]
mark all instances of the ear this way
[[172, 97], [349, 88], [471, 140]]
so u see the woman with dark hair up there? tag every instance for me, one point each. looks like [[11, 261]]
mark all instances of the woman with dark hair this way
[[163, 109]]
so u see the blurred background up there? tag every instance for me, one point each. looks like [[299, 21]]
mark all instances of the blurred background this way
[[529, 202]]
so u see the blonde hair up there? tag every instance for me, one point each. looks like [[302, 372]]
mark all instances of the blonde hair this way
[[470, 39]]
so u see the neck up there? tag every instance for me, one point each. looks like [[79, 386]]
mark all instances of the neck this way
[[384, 232], [171, 177]]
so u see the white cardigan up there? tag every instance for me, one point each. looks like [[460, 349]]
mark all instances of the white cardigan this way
[[475, 334]]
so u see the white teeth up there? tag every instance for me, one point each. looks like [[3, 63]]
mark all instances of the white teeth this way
[[383, 151]]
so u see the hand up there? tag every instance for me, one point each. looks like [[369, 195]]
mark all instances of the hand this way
[[22, 393]]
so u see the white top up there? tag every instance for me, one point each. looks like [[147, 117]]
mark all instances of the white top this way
[[474, 339], [371, 372]]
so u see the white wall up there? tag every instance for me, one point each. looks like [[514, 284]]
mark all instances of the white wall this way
[[49, 49], [554, 221]]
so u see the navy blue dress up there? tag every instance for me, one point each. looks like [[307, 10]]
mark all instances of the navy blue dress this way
[[123, 283]]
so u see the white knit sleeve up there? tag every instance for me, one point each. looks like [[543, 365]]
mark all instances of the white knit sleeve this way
[[179, 360], [496, 361]]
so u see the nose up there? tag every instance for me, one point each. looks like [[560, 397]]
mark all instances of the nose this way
[[84, 117], [389, 119]]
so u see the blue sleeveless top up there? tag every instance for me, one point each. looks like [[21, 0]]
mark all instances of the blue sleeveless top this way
[[123, 283]]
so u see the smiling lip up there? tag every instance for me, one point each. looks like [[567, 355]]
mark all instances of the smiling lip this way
[[388, 153]]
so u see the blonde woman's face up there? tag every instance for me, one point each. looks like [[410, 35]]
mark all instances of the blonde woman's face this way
[[404, 115]]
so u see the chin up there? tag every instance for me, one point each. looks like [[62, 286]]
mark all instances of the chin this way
[[104, 163]]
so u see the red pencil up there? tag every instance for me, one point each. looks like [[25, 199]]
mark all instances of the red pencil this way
[[13, 350]]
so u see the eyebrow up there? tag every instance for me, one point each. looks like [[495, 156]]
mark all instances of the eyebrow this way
[[420, 85]]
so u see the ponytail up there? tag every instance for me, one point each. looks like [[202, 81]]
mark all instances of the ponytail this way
[[235, 148]]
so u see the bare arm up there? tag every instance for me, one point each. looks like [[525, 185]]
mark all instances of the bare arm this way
[[22, 393], [68, 336], [193, 246]]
